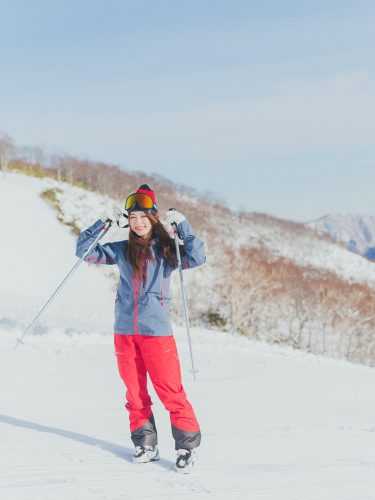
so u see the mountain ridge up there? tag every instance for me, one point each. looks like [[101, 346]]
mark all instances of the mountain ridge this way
[[357, 232]]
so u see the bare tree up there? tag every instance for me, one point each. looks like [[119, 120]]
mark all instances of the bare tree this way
[[247, 286], [7, 149]]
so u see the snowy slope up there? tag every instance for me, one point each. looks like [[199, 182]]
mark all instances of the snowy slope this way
[[282, 238], [36, 254], [277, 424], [356, 231]]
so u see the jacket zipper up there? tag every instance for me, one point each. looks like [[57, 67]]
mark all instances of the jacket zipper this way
[[135, 302], [137, 284]]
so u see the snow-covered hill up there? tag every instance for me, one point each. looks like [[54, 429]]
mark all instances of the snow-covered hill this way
[[267, 278], [355, 231], [277, 424]]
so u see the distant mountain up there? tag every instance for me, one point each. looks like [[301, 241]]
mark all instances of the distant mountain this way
[[355, 231]]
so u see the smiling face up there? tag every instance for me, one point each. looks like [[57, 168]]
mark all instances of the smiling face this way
[[140, 224]]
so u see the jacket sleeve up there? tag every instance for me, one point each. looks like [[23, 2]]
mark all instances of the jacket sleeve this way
[[101, 254], [195, 254]]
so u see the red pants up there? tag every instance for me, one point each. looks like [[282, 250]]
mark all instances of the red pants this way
[[138, 355]]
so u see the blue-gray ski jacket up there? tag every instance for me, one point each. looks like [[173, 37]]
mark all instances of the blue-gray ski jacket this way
[[142, 308]]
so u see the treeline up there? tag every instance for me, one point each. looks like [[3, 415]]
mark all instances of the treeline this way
[[273, 299], [107, 179]]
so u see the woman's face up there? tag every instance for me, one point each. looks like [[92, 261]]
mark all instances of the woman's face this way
[[140, 224]]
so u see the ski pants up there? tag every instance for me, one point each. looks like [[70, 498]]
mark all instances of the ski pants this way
[[138, 355]]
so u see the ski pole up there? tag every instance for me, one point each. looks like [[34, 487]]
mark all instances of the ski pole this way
[[105, 228], [174, 226]]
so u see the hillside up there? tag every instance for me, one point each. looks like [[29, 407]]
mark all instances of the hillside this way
[[267, 278]]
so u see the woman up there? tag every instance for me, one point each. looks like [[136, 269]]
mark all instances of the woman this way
[[144, 341]]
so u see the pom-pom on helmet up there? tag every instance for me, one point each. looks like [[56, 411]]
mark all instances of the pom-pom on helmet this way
[[143, 200]]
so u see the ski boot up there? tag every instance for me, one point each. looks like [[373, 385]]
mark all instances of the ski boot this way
[[185, 461], [144, 454]]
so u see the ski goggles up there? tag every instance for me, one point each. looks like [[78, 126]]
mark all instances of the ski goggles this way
[[141, 201]]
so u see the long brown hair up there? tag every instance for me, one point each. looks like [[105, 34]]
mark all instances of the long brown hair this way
[[138, 247]]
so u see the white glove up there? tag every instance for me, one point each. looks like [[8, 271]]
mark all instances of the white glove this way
[[172, 216], [114, 215]]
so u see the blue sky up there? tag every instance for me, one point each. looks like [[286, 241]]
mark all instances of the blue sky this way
[[270, 105]]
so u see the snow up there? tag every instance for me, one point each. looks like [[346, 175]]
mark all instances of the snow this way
[[277, 424], [38, 253]]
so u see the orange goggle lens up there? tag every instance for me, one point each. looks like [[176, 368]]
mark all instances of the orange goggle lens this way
[[143, 200]]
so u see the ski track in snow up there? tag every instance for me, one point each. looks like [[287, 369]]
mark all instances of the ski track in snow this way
[[277, 424]]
